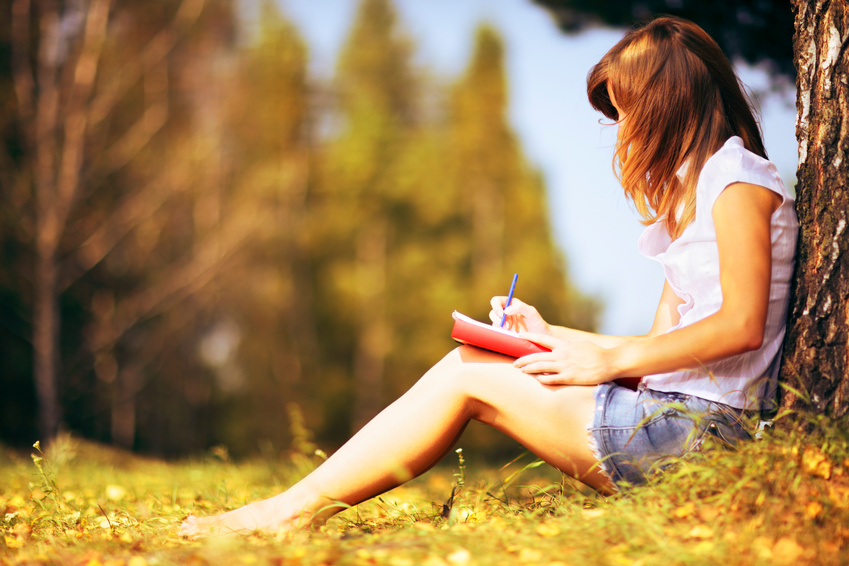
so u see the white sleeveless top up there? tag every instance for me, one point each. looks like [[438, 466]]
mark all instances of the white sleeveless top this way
[[691, 267]]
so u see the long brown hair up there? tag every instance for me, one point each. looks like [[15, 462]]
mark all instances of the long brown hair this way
[[683, 101]]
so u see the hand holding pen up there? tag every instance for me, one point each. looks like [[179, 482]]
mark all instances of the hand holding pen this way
[[523, 317], [509, 298]]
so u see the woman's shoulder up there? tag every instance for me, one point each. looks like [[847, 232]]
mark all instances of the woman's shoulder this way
[[734, 155], [733, 163]]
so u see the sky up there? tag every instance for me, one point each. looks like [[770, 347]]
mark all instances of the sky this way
[[595, 227]]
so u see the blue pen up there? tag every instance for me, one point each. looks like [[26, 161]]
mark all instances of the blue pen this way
[[509, 297]]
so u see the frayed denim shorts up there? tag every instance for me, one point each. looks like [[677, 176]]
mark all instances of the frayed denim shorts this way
[[634, 434]]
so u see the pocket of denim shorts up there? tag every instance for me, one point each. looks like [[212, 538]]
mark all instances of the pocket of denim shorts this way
[[674, 404], [723, 434]]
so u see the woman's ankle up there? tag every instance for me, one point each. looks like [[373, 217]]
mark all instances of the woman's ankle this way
[[303, 507]]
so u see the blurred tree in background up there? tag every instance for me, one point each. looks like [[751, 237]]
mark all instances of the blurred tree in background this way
[[198, 237], [102, 164], [363, 204], [263, 345]]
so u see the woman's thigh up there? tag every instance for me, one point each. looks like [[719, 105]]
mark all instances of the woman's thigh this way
[[550, 421]]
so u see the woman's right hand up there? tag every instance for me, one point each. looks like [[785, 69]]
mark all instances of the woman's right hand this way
[[521, 317]]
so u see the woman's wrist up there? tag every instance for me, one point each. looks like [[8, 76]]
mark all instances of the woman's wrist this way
[[616, 360]]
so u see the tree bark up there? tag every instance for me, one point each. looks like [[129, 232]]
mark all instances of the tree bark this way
[[814, 370]]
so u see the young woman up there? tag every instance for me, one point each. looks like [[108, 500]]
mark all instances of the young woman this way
[[722, 225]]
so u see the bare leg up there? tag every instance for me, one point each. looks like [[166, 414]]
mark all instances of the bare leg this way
[[413, 433]]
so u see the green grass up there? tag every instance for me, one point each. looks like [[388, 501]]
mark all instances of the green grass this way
[[780, 500]]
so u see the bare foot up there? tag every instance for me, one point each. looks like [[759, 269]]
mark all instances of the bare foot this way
[[287, 511], [260, 515]]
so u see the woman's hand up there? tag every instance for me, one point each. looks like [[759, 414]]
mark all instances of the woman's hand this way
[[520, 316], [570, 362], [577, 361]]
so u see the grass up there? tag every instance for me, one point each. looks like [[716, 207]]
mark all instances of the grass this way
[[781, 500]]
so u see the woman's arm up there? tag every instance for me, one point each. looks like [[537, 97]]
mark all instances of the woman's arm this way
[[524, 317], [667, 311], [742, 219]]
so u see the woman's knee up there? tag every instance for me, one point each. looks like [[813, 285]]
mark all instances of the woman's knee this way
[[458, 374]]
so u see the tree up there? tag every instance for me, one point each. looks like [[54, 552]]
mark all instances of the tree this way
[[55, 124], [815, 360], [233, 235], [270, 297], [756, 31], [378, 115], [80, 175], [500, 198], [485, 157]]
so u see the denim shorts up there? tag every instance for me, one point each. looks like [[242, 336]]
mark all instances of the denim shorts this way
[[637, 433]]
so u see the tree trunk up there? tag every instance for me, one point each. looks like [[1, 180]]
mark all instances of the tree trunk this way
[[45, 343], [48, 218], [128, 382], [815, 361]]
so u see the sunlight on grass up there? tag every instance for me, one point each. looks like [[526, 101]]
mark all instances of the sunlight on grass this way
[[781, 500]]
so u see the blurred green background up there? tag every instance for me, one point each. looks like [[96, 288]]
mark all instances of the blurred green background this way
[[202, 240]]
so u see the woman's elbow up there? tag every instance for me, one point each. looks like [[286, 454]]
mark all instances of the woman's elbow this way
[[749, 335], [744, 332], [754, 339]]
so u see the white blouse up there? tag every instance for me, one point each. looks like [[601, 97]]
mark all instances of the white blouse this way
[[691, 267]]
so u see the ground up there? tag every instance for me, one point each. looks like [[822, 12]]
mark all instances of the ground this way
[[783, 499]]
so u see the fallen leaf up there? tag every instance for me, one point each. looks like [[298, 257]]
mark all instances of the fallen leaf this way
[[700, 532], [708, 514], [685, 510], [434, 561], [548, 530], [12, 542], [459, 557], [787, 551], [813, 509], [530, 555], [115, 492], [763, 548], [815, 463]]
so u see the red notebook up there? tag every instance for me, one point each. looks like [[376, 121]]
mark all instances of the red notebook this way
[[469, 331]]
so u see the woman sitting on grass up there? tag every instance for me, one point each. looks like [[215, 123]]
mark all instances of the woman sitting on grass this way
[[720, 222]]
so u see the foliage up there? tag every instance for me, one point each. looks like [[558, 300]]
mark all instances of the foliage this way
[[782, 500], [757, 31], [241, 235]]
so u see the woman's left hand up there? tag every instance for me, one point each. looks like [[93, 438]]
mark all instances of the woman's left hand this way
[[570, 362]]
